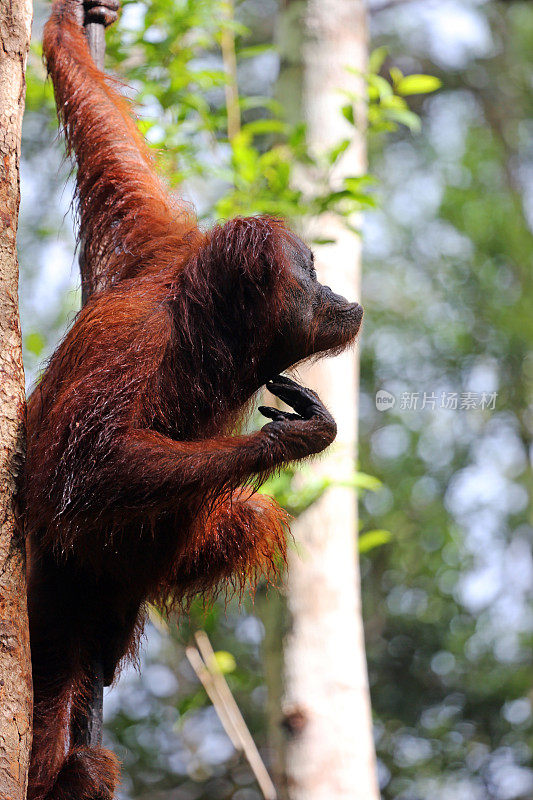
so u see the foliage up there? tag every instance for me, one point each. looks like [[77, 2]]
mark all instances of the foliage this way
[[170, 55], [448, 606], [447, 602]]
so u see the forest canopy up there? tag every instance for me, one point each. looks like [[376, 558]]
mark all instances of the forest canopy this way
[[447, 234]]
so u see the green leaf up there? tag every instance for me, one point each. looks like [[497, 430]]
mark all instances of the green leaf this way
[[361, 181], [254, 50], [34, 343], [225, 661], [262, 126], [377, 58], [357, 187], [378, 87], [338, 150], [394, 101], [405, 117], [298, 498], [259, 101], [360, 480], [347, 112], [418, 84], [396, 75], [372, 539]]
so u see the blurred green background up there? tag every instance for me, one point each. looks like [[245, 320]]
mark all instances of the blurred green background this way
[[449, 313]]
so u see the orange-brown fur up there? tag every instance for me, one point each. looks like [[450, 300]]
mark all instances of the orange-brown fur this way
[[133, 485]]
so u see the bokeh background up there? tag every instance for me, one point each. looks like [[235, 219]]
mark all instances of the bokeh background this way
[[449, 314]]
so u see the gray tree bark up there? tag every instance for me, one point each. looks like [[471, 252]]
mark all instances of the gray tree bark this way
[[330, 751], [15, 666]]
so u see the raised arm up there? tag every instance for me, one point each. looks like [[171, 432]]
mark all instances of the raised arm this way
[[128, 220], [151, 472]]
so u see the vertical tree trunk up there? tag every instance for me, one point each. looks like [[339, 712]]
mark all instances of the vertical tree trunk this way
[[15, 668], [330, 752]]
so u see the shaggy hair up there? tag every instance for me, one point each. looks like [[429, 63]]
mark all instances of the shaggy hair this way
[[136, 487]]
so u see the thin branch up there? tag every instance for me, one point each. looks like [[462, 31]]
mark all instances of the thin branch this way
[[218, 691], [208, 683], [95, 32], [229, 57]]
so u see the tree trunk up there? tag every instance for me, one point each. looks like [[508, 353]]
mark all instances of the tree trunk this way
[[330, 752], [15, 667]]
